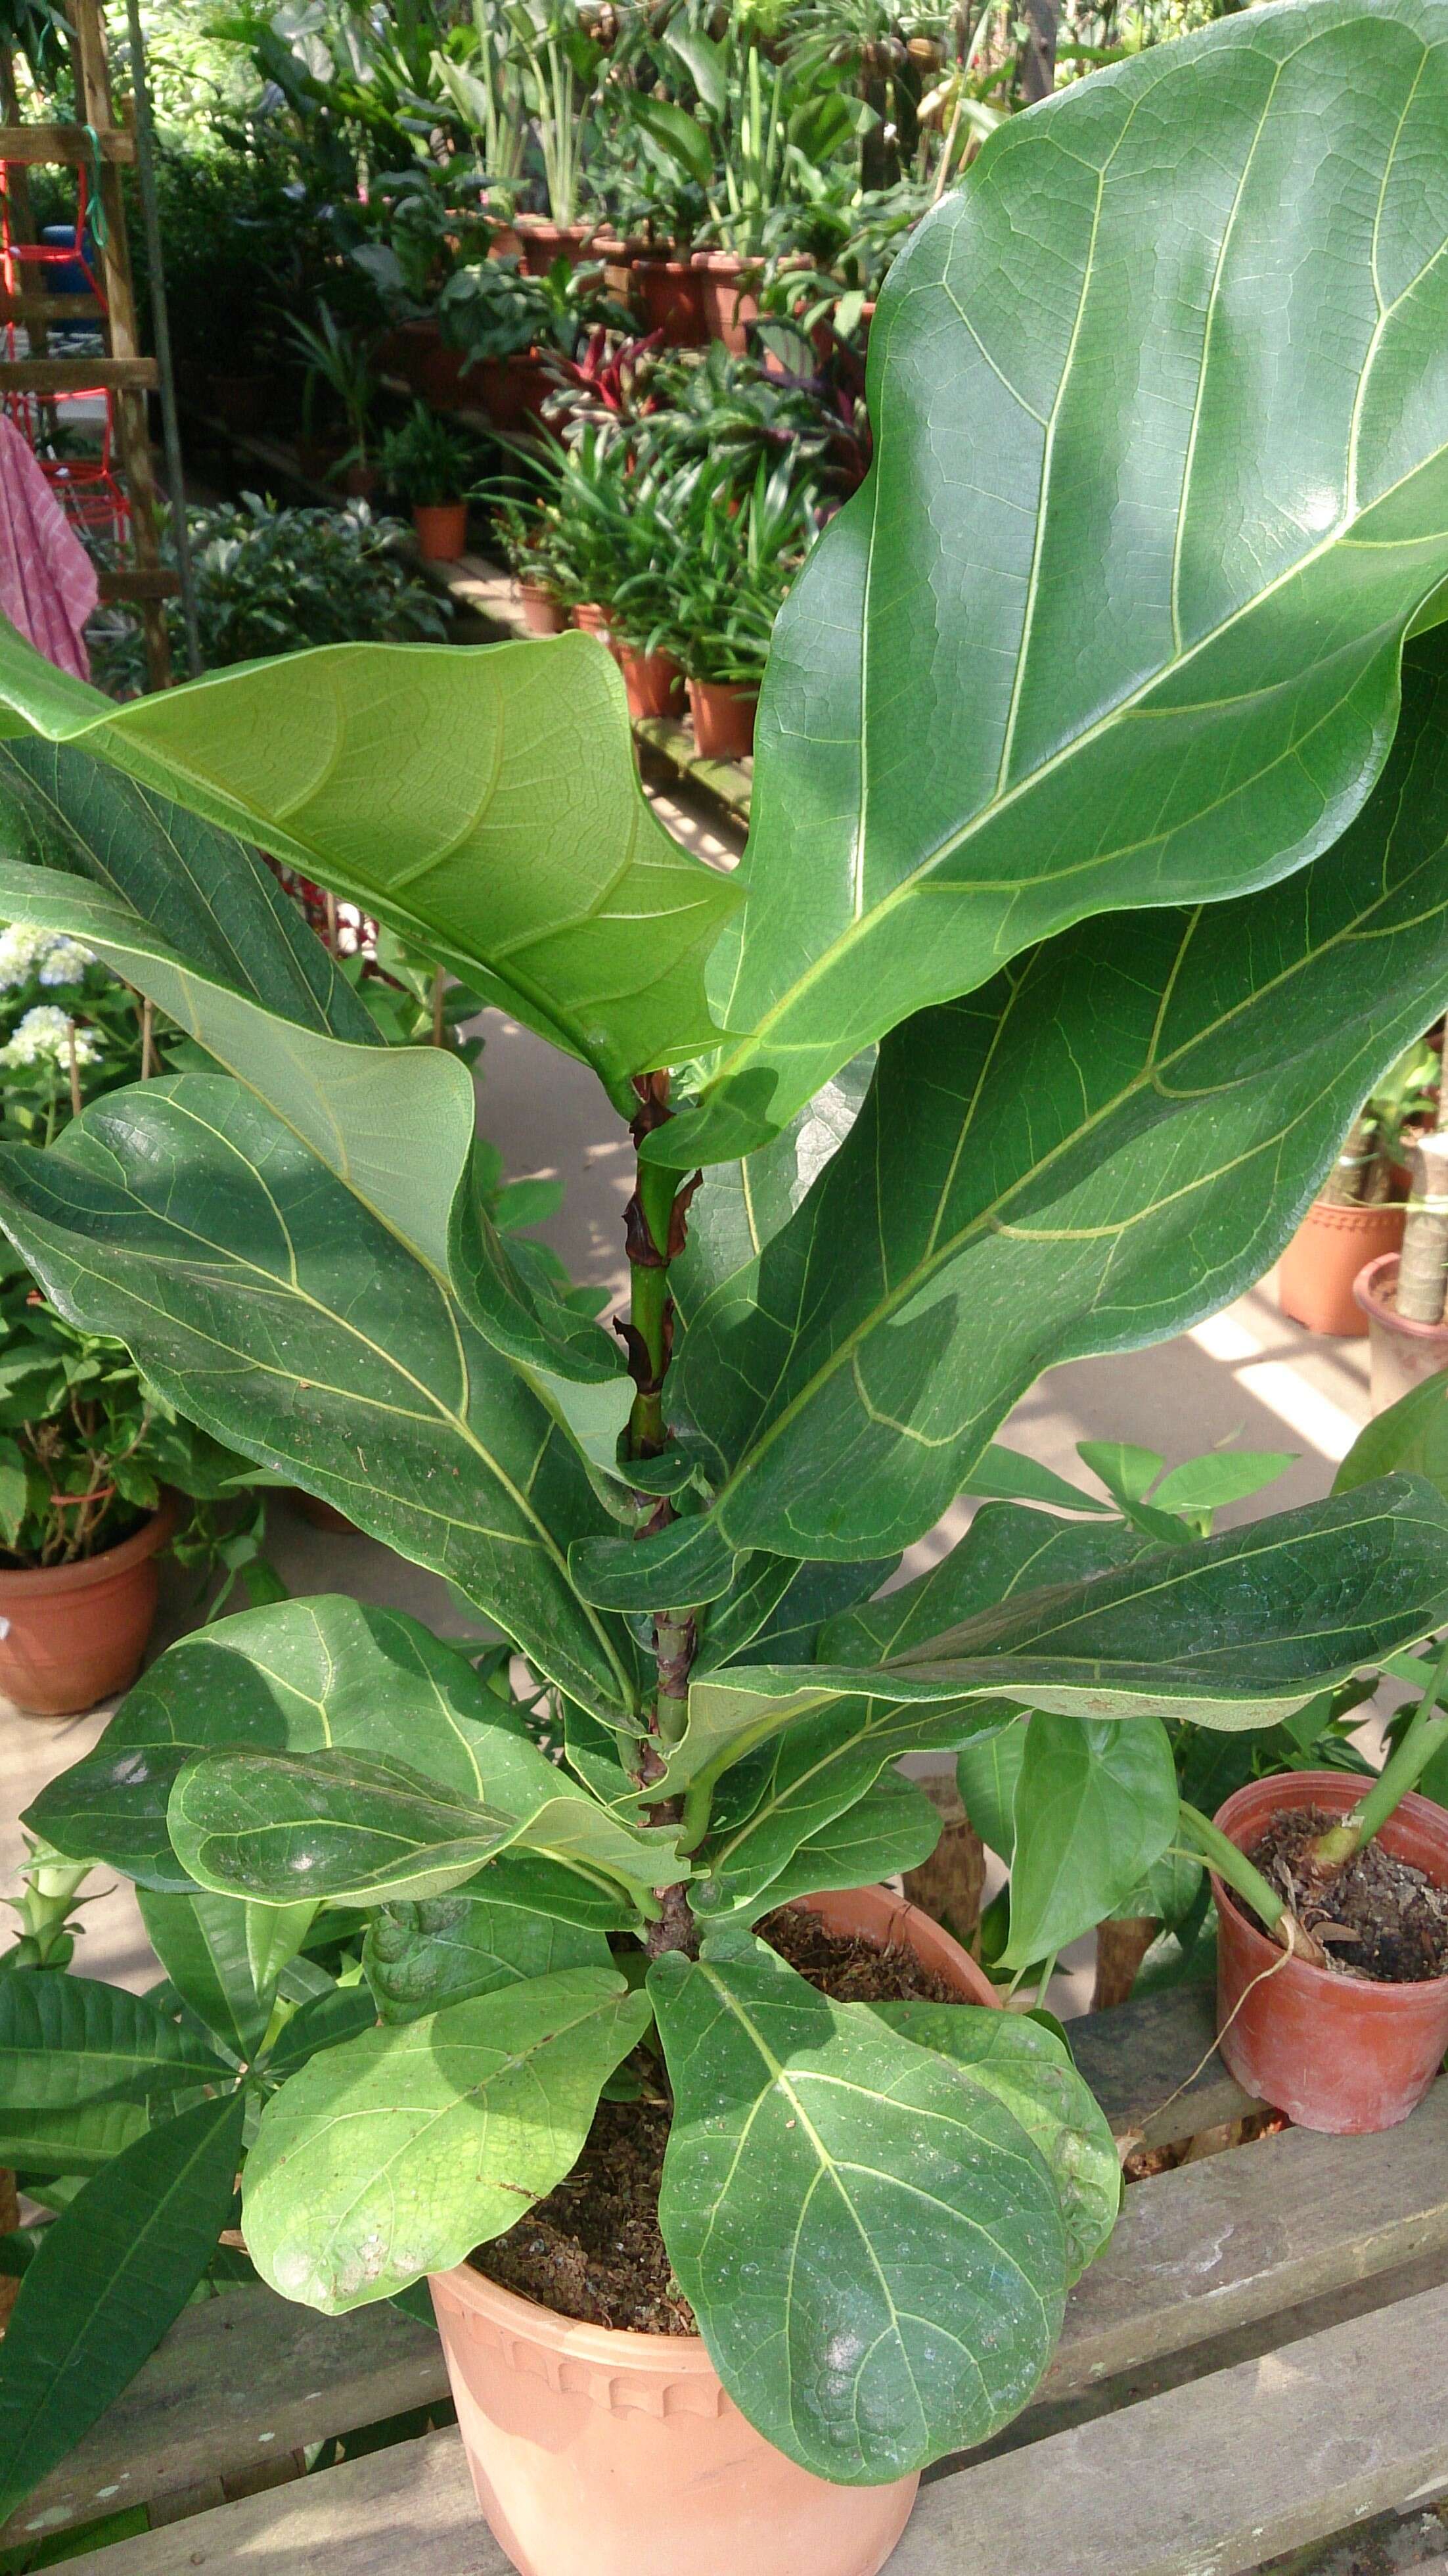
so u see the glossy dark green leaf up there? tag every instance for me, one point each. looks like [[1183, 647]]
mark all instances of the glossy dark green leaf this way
[[871, 2244], [262, 1299], [986, 1773], [418, 1957], [1117, 617], [323, 2021], [112, 2274], [1104, 1144], [340, 1825], [483, 802], [1006, 1550], [398, 2152], [1095, 1808], [67, 2041], [893, 1827]]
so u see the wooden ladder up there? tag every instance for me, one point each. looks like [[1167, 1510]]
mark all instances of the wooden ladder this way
[[124, 372]]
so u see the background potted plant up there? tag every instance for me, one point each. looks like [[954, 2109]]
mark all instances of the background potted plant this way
[[1401, 1294], [431, 468], [732, 566], [340, 364], [1357, 1217]]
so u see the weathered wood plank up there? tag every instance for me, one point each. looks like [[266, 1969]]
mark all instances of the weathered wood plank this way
[[1208, 2480], [1136, 2056], [78, 375], [408, 2509], [45, 146], [242, 2379], [41, 307]]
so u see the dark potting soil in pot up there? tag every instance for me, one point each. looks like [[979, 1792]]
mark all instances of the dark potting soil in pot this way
[[592, 2249], [1379, 1918]]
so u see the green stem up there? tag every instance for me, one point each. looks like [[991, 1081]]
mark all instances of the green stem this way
[[1202, 1840], [1426, 1731]]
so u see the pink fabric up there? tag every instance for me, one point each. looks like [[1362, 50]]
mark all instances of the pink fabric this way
[[48, 583]]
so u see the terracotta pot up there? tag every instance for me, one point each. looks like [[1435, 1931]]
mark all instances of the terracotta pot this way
[[77, 1633], [620, 2454], [442, 529], [728, 307], [590, 619], [432, 368], [543, 242], [542, 613], [653, 681], [1400, 1353], [513, 390], [359, 482], [671, 300], [506, 242], [723, 719], [1316, 1273], [1335, 2053]]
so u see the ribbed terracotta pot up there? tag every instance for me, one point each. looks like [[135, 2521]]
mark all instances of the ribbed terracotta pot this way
[[75, 1634], [595, 2453], [1400, 1353], [1316, 1273], [442, 529], [1340, 2054], [723, 717]]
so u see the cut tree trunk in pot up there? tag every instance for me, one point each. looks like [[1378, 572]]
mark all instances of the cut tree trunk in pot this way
[[359, 482], [76, 1633], [542, 613], [598, 2453], [442, 529], [1346, 2055], [728, 307], [1400, 1353], [671, 298], [723, 716], [654, 682], [1316, 1273]]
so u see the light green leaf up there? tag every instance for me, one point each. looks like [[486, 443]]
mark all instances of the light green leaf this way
[[203, 1943], [112, 2273], [870, 2242], [418, 1957], [1124, 1469], [1008, 1475], [483, 802], [398, 2152], [1095, 1808], [1225, 464], [1411, 1436], [1225, 1476], [1032, 2072], [1105, 1144], [986, 1773], [344, 1826], [892, 1827], [14, 1489]]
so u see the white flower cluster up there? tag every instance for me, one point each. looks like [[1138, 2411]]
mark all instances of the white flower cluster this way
[[50, 959], [44, 1034]]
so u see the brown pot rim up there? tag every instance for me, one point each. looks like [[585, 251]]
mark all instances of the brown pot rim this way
[[1341, 1790], [722, 263], [679, 263], [1356, 1219], [1370, 1289], [573, 2337], [27, 1582]]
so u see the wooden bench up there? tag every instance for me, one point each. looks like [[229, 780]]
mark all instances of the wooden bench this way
[[1254, 2365]]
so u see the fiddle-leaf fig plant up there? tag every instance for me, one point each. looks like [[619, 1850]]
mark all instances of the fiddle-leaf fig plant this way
[[1097, 872]]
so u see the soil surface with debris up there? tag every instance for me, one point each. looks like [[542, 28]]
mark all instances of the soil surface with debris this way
[[1379, 1918], [592, 2249]]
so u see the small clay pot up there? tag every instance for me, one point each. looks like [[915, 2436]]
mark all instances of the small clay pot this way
[[1342, 2054], [620, 2454], [653, 681], [671, 300], [723, 719], [1316, 1273], [542, 613], [728, 307], [76, 1633], [591, 619], [544, 241], [1400, 1353], [442, 529], [512, 391]]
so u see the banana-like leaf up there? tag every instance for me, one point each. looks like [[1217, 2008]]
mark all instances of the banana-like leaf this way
[[67, 2042], [1117, 616], [419, 1957], [112, 2273], [299, 1677], [484, 802], [1231, 1631], [1107, 1143], [894, 1826], [1095, 1808], [201, 1941], [1031, 2071], [398, 2152], [871, 2243], [266, 1303]]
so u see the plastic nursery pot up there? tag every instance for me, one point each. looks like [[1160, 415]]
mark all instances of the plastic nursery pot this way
[[1335, 2053], [442, 529], [723, 719], [542, 613], [671, 299], [620, 2454], [728, 308], [1400, 1353], [653, 681], [76, 1633], [513, 390], [1316, 1273]]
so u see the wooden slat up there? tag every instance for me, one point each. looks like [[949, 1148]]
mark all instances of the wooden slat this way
[[135, 581], [31, 309], [78, 375], [1154, 2069], [241, 2379], [51, 145]]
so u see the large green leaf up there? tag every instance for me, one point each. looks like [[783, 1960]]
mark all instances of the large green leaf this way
[[1231, 1631], [1411, 1436], [894, 1826], [419, 1957], [484, 802], [1006, 1550], [1109, 1141], [1095, 1808], [398, 2152], [987, 1771], [1117, 617], [71, 2042], [296, 1676], [205, 1943], [112, 2273], [262, 1299], [1031, 2071], [869, 2240]]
